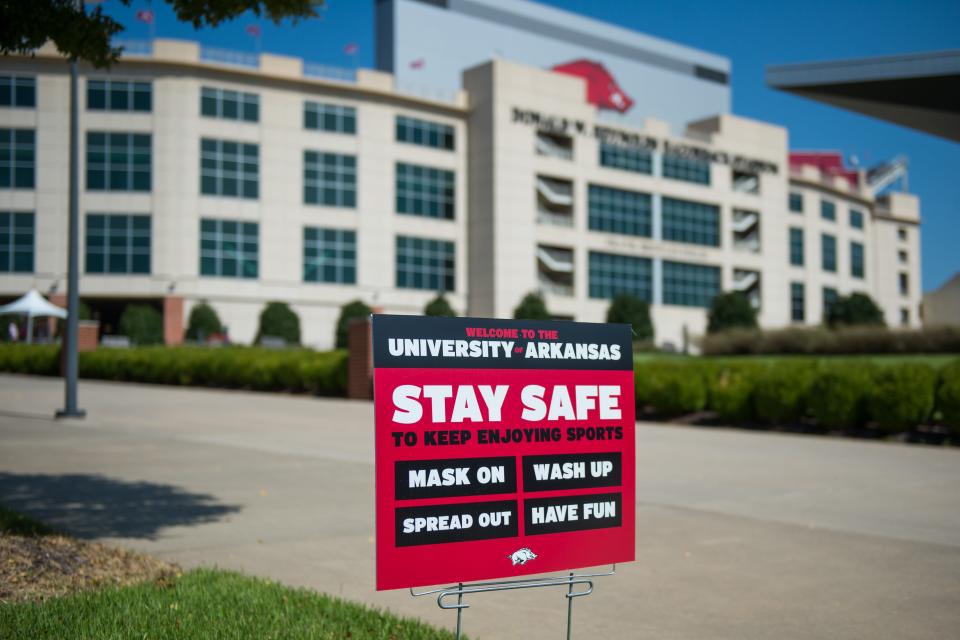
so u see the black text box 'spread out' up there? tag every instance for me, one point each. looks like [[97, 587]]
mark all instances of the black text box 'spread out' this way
[[456, 522], [454, 477]]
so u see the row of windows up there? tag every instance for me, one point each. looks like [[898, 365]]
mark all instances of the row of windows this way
[[798, 301], [689, 285], [828, 210], [627, 158], [17, 158], [120, 243], [137, 96], [691, 222], [828, 249], [630, 213]]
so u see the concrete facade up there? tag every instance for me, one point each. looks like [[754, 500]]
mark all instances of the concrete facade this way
[[525, 157]]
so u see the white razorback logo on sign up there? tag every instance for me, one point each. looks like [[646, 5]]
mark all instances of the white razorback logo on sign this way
[[522, 556]]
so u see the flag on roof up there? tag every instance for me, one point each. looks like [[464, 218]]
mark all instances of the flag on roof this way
[[253, 30], [145, 16], [351, 48], [418, 63]]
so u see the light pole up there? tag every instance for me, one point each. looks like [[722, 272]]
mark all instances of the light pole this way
[[70, 409]]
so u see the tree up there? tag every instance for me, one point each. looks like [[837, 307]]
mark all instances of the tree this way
[[348, 313], [632, 310], [857, 309], [142, 324], [532, 307], [203, 323], [279, 321], [731, 310], [439, 308], [25, 25]]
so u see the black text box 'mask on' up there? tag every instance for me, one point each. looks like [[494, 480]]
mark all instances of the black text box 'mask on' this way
[[455, 477]]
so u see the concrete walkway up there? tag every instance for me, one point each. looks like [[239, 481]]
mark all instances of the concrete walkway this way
[[740, 535]]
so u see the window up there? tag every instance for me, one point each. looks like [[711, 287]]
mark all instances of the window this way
[[229, 248], [856, 259], [902, 233], [329, 179], [423, 263], [905, 316], [627, 158], [118, 161], [554, 145], [611, 274], [18, 91], [691, 222], [796, 202], [690, 285], [17, 158], [17, 233], [904, 281], [229, 168], [117, 243], [828, 210], [856, 219], [688, 169], [902, 257], [619, 211], [796, 246], [829, 299], [828, 252], [118, 95], [229, 105], [424, 133], [425, 191], [334, 118], [329, 255], [746, 181], [797, 302]]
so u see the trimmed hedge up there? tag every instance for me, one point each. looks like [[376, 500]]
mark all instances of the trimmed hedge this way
[[827, 394], [841, 341], [297, 371]]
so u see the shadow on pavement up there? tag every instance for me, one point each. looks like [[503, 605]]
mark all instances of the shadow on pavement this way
[[92, 506]]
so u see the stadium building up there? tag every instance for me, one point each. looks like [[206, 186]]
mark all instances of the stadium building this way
[[239, 179]]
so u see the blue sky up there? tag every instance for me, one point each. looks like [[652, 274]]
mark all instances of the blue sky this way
[[751, 34]]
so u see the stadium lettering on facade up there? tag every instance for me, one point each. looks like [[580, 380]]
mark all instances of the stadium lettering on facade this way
[[612, 135]]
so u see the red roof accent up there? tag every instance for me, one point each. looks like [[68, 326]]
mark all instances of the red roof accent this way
[[829, 163], [602, 89]]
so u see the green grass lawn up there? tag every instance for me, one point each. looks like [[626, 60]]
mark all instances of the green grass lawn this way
[[205, 604]]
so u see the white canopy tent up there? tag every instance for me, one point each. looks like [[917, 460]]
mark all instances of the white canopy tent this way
[[32, 305]]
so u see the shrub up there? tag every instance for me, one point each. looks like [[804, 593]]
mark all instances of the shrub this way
[[902, 396], [279, 321], [631, 310], [673, 389], [532, 307], [781, 392], [842, 340], [439, 308], [203, 323], [837, 397], [731, 310], [348, 313], [39, 360], [857, 309], [731, 389], [142, 324], [948, 397]]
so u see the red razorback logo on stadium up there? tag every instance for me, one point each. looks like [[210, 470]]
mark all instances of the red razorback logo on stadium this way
[[602, 90]]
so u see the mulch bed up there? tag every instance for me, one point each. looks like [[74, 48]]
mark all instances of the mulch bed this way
[[35, 567]]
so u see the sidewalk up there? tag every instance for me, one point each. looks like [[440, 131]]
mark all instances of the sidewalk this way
[[740, 535]]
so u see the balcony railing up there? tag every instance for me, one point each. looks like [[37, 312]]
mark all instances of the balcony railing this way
[[135, 48], [326, 72], [231, 57]]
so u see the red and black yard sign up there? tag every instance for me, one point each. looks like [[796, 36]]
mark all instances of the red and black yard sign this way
[[503, 448]]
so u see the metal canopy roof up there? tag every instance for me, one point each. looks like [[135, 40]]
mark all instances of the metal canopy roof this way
[[920, 91]]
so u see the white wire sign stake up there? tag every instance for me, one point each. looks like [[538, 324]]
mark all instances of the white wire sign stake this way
[[570, 581]]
